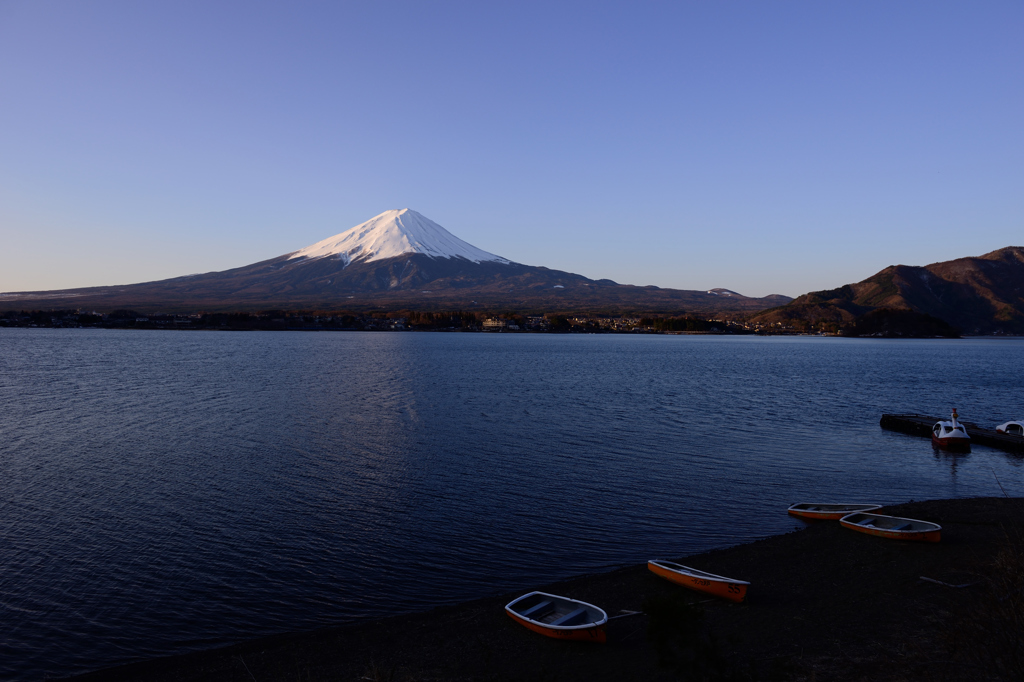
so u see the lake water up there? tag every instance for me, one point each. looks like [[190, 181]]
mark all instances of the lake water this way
[[169, 491]]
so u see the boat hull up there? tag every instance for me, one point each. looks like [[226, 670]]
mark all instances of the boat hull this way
[[720, 587], [930, 532], [594, 633], [961, 444], [821, 512]]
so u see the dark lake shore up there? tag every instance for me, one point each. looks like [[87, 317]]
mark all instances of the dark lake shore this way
[[825, 603]]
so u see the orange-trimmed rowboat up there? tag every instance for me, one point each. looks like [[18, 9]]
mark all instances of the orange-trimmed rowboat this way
[[727, 588], [829, 511], [559, 617], [893, 527]]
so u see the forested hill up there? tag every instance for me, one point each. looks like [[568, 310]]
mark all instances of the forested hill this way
[[977, 295]]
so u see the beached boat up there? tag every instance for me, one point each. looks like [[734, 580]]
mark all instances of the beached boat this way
[[559, 617], [1012, 428], [727, 588], [951, 434], [832, 511], [893, 527]]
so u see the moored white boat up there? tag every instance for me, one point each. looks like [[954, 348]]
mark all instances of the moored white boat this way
[[951, 434], [559, 617], [727, 588], [830, 511], [1015, 428], [892, 527]]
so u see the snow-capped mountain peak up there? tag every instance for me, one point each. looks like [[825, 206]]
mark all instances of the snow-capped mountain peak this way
[[395, 233]]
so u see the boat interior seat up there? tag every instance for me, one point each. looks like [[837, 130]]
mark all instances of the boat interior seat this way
[[538, 610], [575, 618], [905, 526]]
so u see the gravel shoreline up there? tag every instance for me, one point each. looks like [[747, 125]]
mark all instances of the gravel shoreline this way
[[825, 603]]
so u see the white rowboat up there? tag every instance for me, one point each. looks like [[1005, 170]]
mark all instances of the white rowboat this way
[[559, 617], [831, 511], [893, 527]]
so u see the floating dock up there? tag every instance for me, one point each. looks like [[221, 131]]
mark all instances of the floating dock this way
[[921, 425]]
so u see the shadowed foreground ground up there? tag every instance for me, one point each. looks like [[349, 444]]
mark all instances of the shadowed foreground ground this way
[[825, 604]]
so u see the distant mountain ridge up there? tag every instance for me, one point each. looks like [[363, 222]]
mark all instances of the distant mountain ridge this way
[[396, 260], [979, 295]]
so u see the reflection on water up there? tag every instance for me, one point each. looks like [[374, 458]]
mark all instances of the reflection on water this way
[[171, 491]]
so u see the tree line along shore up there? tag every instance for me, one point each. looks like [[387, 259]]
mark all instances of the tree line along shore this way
[[400, 320], [886, 323]]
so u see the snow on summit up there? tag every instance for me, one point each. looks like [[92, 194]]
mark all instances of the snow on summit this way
[[395, 233]]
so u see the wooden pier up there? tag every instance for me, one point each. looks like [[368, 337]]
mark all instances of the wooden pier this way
[[921, 425]]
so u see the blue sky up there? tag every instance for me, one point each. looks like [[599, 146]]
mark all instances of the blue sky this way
[[765, 147]]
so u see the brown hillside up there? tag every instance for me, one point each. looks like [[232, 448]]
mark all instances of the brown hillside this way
[[980, 295]]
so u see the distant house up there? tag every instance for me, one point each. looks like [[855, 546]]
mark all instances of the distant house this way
[[494, 324]]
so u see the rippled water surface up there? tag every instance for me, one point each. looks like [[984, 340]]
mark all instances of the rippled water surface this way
[[164, 492]]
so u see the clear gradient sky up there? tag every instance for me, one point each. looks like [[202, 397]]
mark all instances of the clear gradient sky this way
[[766, 147]]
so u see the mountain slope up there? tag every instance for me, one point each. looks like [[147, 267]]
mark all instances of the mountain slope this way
[[980, 295], [398, 259]]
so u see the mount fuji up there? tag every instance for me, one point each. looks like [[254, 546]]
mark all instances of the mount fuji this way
[[398, 259], [392, 234]]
